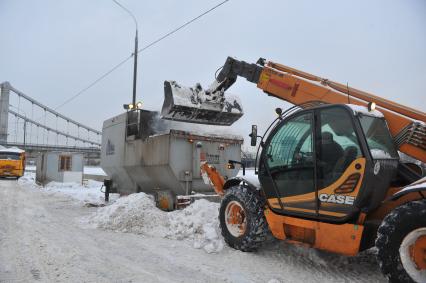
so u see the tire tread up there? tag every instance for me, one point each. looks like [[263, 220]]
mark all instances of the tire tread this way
[[257, 227]]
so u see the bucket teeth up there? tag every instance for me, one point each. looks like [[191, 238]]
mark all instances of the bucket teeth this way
[[194, 105]]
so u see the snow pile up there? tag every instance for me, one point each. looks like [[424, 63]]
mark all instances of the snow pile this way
[[135, 213], [28, 181], [138, 214], [198, 222]]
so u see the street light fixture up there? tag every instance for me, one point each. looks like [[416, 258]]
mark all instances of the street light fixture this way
[[130, 106], [135, 54]]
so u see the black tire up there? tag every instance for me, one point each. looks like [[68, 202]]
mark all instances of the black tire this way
[[256, 225], [394, 228]]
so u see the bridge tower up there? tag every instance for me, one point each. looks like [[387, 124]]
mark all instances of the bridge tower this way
[[4, 110]]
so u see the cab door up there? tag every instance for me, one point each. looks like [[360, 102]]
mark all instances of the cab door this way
[[312, 164], [340, 163], [287, 166]]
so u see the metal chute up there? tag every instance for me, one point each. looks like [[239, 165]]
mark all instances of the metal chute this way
[[195, 105]]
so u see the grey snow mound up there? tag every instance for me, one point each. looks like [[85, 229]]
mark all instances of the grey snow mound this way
[[138, 214]]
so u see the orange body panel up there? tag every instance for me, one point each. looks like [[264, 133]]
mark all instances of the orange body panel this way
[[342, 239], [297, 90], [388, 206], [273, 202], [214, 176], [387, 104]]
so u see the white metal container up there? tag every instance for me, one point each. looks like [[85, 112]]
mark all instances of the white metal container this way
[[137, 160]]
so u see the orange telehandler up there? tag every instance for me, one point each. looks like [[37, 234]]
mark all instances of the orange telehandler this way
[[329, 174]]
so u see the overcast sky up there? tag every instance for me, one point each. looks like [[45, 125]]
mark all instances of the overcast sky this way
[[51, 49]]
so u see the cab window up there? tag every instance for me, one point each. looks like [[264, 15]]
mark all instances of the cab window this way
[[9, 156], [291, 144], [289, 157], [337, 145], [378, 137]]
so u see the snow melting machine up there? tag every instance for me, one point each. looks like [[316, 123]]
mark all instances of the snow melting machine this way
[[141, 153]]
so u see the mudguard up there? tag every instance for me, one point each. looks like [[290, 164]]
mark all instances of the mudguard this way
[[252, 183], [418, 186]]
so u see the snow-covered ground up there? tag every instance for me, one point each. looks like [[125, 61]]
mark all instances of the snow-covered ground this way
[[89, 193], [30, 168], [51, 235], [138, 214]]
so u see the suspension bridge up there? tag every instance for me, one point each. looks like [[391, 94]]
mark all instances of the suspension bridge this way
[[26, 123]]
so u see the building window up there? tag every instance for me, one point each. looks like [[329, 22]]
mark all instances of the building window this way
[[64, 163]]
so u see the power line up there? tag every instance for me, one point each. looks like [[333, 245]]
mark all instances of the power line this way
[[182, 26], [94, 82], [140, 50]]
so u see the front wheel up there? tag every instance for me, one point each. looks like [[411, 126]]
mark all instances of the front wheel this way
[[401, 243], [242, 220]]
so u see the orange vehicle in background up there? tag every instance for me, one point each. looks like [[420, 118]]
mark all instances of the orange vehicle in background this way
[[12, 162]]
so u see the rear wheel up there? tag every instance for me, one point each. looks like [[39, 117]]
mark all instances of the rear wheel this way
[[401, 243], [241, 218]]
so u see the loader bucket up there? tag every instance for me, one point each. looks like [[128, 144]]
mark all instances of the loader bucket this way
[[192, 105]]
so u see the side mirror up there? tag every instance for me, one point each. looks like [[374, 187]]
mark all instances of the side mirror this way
[[253, 135]]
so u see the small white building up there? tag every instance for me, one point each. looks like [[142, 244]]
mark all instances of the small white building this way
[[61, 167]]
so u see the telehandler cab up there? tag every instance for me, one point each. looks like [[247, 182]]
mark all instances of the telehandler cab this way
[[329, 174]]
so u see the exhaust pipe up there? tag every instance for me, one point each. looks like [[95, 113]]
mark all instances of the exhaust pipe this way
[[194, 105]]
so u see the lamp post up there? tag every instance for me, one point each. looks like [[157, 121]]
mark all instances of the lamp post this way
[[135, 54]]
